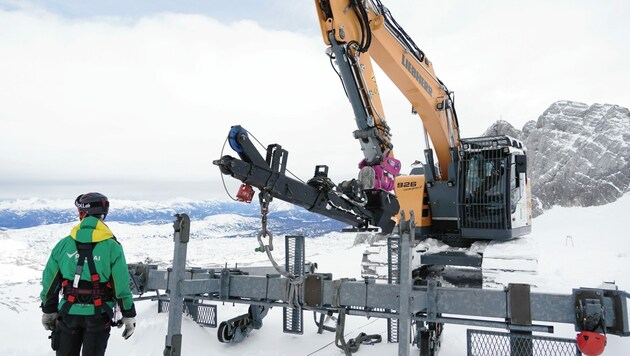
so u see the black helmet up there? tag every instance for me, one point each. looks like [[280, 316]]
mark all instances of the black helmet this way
[[93, 204]]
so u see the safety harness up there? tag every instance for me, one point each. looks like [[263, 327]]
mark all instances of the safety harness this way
[[84, 292]]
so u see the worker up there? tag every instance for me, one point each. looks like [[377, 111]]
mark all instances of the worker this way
[[89, 268]]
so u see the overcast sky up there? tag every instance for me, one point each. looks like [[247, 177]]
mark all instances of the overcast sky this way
[[135, 99]]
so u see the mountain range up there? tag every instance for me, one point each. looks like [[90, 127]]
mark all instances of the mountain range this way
[[578, 154], [283, 218]]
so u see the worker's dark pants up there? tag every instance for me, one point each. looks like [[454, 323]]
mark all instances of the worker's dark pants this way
[[89, 331]]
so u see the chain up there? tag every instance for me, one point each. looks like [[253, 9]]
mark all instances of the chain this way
[[294, 294], [265, 199]]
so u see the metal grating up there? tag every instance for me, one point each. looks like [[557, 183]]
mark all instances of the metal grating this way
[[202, 314], [477, 143], [294, 254], [393, 277], [484, 191], [393, 263], [367, 309], [493, 343], [293, 319]]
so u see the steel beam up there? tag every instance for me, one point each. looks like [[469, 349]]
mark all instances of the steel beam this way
[[430, 303]]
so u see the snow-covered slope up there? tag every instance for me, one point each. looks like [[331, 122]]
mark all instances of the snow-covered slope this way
[[578, 247]]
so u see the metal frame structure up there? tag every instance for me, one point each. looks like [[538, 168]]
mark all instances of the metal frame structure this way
[[485, 342], [514, 309]]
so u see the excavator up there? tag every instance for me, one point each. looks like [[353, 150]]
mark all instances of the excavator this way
[[479, 188], [468, 189]]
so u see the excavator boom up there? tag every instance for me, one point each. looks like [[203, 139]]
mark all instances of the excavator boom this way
[[454, 198], [369, 32]]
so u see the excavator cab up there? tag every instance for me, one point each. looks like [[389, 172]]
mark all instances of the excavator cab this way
[[487, 198], [493, 189]]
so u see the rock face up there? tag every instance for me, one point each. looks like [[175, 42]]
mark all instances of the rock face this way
[[579, 155]]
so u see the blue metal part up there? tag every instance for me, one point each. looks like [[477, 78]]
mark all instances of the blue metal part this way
[[234, 132]]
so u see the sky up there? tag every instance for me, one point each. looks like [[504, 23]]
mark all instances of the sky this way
[[135, 99]]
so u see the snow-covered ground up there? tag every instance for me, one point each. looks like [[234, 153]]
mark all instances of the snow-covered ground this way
[[577, 247]]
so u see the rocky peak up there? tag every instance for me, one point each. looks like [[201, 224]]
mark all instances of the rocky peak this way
[[579, 155], [502, 127]]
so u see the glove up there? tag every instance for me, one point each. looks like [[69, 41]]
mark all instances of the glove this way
[[49, 320], [130, 326]]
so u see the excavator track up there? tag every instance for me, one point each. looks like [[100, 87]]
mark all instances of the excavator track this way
[[499, 262]]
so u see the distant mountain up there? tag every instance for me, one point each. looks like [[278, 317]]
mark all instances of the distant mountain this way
[[227, 216], [579, 154]]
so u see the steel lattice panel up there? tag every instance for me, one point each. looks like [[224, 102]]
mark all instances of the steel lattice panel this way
[[293, 319], [493, 343], [202, 314], [393, 277]]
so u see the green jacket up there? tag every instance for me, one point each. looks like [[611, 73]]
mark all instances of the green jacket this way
[[109, 260]]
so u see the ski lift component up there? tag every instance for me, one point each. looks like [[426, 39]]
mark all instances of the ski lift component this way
[[372, 298], [265, 198], [203, 314], [486, 342], [426, 304], [245, 193], [352, 345], [181, 236], [237, 329], [293, 318], [591, 343], [595, 307], [520, 311], [232, 138], [269, 175], [313, 285]]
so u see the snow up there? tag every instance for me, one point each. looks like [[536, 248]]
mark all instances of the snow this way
[[574, 247]]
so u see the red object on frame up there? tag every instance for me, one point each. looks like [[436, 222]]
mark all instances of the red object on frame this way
[[591, 343], [245, 193]]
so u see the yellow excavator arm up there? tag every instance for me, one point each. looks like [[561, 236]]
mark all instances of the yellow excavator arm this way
[[361, 31], [477, 189]]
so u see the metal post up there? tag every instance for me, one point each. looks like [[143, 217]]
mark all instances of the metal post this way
[[173, 345], [404, 321]]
